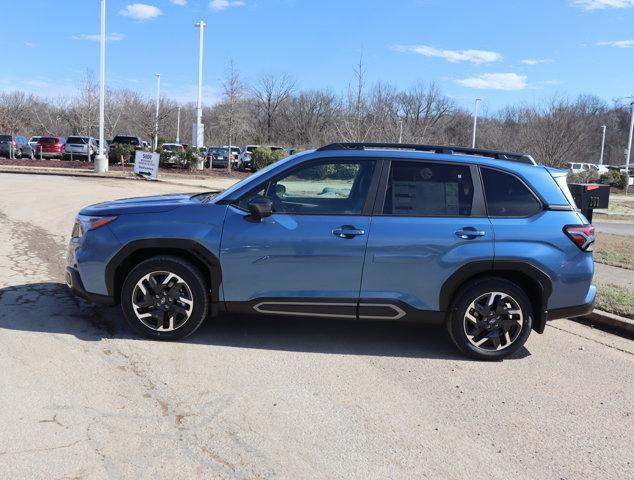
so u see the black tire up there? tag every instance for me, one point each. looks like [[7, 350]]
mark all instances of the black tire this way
[[493, 325], [190, 275]]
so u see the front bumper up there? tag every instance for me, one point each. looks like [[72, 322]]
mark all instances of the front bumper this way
[[73, 280]]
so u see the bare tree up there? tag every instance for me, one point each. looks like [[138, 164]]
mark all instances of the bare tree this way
[[269, 94]]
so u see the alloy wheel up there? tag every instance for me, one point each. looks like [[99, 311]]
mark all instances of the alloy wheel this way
[[162, 301], [493, 321]]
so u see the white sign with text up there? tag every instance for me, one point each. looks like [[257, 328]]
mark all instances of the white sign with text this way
[[146, 164]]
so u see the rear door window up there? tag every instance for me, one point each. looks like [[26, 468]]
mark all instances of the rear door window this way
[[507, 196], [428, 190]]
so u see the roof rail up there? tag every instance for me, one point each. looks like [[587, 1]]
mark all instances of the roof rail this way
[[448, 150]]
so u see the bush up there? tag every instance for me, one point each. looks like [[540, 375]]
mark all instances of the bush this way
[[264, 156], [120, 150], [614, 178], [587, 176]]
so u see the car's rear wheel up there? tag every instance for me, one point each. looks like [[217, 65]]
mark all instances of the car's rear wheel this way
[[490, 319], [165, 298]]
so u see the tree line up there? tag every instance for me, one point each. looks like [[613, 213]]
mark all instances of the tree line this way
[[274, 110]]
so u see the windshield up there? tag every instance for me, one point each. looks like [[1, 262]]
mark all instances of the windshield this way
[[250, 148], [48, 140], [34, 139], [171, 147], [219, 151], [5, 138], [80, 140]]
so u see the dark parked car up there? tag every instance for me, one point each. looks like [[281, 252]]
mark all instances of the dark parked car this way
[[136, 142], [16, 146], [50, 147], [217, 157]]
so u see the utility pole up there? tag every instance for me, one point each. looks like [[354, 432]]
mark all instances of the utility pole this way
[[475, 122], [602, 145], [629, 148], [101, 162], [200, 139], [178, 126], [400, 132], [158, 101]]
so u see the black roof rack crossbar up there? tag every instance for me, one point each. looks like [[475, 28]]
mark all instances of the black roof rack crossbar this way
[[447, 150]]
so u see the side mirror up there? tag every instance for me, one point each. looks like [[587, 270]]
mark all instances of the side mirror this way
[[260, 207]]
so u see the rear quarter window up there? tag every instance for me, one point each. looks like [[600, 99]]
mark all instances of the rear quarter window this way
[[507, 196]]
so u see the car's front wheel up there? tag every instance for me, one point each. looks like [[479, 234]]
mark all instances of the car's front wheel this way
[[490, 319], [165, 298]]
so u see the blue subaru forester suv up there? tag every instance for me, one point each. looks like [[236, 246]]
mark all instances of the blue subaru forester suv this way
[[486, 242]]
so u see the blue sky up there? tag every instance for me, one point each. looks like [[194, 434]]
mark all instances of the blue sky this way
[[504, 51]]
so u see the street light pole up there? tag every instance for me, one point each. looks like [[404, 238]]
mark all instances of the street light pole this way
[[400, 131], [101, 162], [199, 140], [158, 100], [475, 122], [629, 149], [178, 126], [602, 144]]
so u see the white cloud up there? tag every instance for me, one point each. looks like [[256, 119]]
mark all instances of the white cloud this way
[[180, 3], [536, 61], [95, 37], [603, 4], [29, 44], [495, 81], [140, 11], [453, 56], [224, 4], [618, 44]]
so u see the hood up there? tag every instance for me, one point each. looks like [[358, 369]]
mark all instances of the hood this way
[[155, 204]]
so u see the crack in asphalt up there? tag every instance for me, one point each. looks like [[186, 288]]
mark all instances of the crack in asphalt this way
[[199, 431]]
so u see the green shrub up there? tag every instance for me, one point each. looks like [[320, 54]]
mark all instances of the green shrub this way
[[614, 178], [587, 176], [261, 157], [119, 151]]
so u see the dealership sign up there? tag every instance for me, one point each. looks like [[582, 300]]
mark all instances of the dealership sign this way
[[146, 164]]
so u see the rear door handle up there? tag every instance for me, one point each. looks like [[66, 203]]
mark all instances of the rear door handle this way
[[347, 231], [467, 233]]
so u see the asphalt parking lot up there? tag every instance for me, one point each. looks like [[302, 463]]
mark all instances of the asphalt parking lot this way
[[248, 398]]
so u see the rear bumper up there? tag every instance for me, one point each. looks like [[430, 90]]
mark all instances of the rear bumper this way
[[73, 280], [575, 310]]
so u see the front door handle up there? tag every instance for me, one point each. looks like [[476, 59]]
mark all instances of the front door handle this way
[[347, 231], [468, 233]]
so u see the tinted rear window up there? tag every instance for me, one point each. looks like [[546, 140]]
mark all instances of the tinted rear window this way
[[79, 140], [428, 190], [5, 138], [126, 140], [507, 196], [49, 140]]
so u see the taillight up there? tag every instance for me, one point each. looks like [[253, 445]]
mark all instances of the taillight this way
[[581, 235]]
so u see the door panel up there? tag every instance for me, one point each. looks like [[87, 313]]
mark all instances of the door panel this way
[[408, 258], [428, 223], [292, 256]]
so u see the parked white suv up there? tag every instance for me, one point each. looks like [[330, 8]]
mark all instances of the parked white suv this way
[[578, 167]]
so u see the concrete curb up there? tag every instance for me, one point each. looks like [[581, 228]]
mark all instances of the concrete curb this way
[[69, 172], [610, 320]]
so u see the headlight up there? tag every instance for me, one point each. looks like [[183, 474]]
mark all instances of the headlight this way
[[91, 223]]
